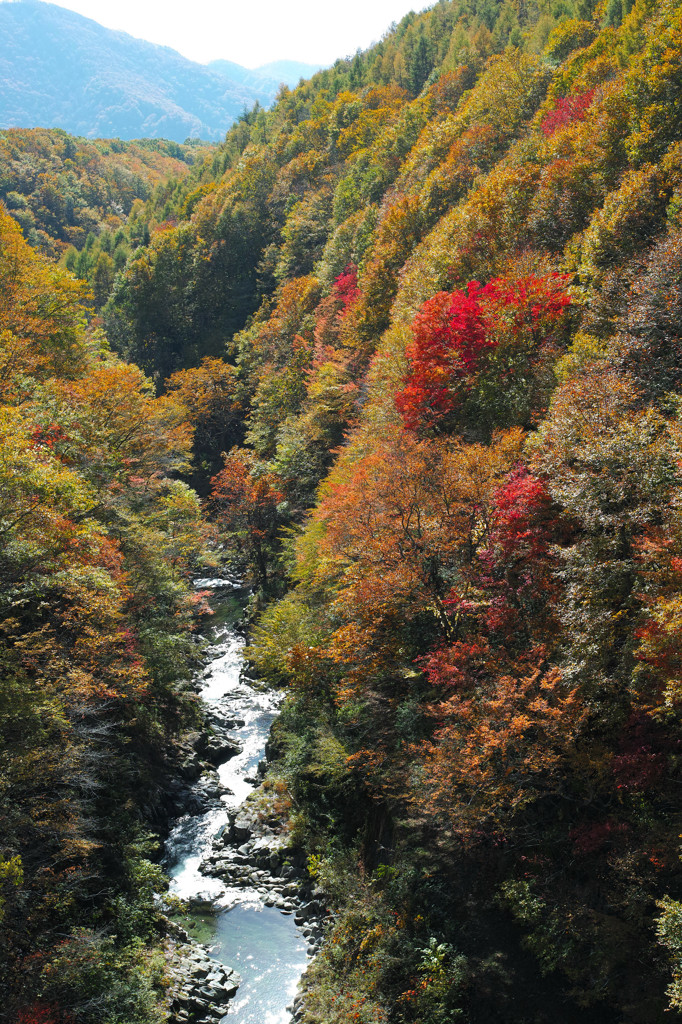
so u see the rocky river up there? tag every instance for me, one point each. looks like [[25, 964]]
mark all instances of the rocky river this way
[[254, 917]]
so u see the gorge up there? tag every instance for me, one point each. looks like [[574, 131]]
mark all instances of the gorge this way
[[403, 353], [245, 916]]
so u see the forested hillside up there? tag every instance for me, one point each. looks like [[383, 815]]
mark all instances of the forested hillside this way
[[99, 537], [430, 307], [61, 70], [68, 192]]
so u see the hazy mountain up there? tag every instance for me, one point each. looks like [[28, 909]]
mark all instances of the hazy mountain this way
[[59, 69], [246, 78], [288, 71], [277, 71]]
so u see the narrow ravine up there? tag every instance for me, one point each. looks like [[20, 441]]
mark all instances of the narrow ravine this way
[[261, 942]]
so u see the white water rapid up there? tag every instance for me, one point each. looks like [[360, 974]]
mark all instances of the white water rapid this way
[[262, 944]]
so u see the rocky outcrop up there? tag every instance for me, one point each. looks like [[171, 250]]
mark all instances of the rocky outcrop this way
[[195, 786], [216, 746], [253, 852], [201, 988]]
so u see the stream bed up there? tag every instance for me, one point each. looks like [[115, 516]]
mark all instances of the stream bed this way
[[262, 943]]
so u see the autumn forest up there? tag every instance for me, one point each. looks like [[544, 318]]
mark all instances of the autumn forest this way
[[404, 354]]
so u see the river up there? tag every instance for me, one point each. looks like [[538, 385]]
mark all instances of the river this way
[[262, 944]]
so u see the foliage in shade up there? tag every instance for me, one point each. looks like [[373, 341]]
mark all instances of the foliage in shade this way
[[99, 540]]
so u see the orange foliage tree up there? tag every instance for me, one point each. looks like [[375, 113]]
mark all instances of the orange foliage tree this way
[[245, 508]]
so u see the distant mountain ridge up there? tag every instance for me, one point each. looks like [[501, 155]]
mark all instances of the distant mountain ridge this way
[[61, 70], [289, 72]]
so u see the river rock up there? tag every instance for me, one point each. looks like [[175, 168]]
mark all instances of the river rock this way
[[216, 746], [201, 987], [241, 828], [190, 768], [223, 993]]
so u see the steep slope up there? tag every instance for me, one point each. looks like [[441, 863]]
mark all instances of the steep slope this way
[[60, 70], [431, 306], [456, 260], [99, 544]]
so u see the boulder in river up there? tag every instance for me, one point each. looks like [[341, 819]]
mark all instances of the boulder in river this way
[[217, 746]]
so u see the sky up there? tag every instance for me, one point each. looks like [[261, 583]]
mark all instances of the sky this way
[[252, 32]]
